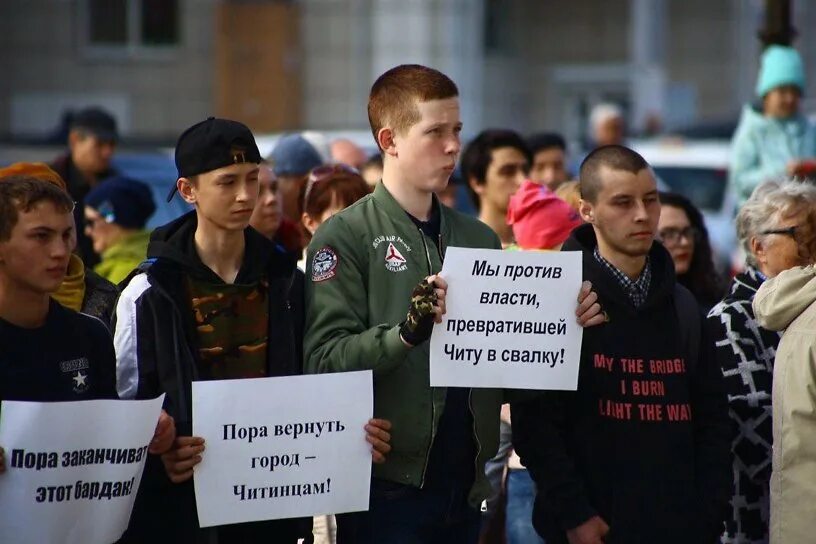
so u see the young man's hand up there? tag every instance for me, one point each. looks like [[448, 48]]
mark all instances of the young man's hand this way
[[378, 436], [164, 436], [184, 454], [589, 310], [427, 307], [2, 461], [591, 531]]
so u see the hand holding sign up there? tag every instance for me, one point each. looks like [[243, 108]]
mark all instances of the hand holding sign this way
[[589, 311], [427, 307], [184, 454], [165, 434], [378, 436]]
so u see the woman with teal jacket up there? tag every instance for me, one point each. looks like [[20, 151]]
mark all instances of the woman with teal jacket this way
[[773, 139]]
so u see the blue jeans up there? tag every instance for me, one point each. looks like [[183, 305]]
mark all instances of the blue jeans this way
[[401, 514], [521, 492]]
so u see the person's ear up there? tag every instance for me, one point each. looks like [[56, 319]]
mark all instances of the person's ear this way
[[385, 139], [759, 250], [478, 188], [186, 188], [74, 137], [308, 223], [586, 211]]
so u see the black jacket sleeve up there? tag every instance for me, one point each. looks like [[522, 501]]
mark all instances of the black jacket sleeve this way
[[297, 301], [104, 358], [539, 437], [713, 434]]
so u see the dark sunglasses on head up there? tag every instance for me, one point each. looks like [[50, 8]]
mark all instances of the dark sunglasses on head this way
[[326, 172]]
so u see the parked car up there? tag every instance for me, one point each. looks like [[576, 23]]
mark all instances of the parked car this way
[[698, 170]]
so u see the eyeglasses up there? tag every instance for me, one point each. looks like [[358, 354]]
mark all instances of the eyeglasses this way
[[674, 235], [799, 234], [326, 172], [789, 231]]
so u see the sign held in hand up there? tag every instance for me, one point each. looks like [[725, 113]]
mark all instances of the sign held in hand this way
[[282, 447], [72, 468], [510, 320]]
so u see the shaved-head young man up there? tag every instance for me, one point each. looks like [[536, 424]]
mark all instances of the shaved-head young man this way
[[641, 451]]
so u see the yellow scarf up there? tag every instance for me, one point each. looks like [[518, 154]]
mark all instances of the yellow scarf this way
[[71, 292]]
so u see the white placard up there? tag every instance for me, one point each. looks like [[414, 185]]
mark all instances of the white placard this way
[[510, 320], [77, 476], [282, 447]]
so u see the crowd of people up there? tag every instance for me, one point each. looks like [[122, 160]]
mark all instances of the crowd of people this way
[[693, 417]]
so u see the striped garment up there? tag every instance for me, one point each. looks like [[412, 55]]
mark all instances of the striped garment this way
[[746, 352]]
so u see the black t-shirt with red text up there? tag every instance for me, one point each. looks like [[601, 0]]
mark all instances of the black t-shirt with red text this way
[[645, 441]]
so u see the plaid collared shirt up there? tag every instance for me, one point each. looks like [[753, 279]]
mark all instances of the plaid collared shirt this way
[[636, 290]]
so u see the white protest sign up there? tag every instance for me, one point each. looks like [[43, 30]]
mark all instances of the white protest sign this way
[[282, 447], [72, 468], [510, 320]]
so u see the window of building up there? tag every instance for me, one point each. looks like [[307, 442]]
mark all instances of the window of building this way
[[499, 35], [131, 27]]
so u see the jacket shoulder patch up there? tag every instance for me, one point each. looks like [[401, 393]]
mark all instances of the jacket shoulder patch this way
[[324, 264]]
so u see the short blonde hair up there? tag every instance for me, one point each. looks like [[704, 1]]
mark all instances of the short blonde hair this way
[[570, 192]]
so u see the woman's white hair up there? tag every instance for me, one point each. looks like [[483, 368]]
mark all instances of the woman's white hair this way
[[601, 113], [770, 201]]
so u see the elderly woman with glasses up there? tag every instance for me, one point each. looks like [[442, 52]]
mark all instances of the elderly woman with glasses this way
[[683, 233], [776, 229]]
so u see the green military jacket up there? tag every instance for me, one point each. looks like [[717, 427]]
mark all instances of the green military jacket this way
[[362, 265]]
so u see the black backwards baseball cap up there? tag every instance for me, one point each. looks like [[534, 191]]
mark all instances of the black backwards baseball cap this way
[[213, 144]]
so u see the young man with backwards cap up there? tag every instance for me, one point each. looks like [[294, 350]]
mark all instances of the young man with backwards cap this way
[[171, 328]]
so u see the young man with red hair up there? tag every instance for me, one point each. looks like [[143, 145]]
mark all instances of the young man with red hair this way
[[386, 248]]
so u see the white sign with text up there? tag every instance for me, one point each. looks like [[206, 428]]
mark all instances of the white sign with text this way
[[72, 468], [510, 320], [282, 447]]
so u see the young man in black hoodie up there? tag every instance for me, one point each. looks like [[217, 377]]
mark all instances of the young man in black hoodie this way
[[217, 300], [640, 452]]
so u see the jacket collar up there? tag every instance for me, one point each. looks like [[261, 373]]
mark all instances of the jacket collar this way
[[662, 269], [397, 213]]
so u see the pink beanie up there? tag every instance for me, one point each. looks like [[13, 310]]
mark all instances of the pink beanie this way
[[540, 220]]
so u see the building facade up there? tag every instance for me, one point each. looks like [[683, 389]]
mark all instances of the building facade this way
[[161, 65]]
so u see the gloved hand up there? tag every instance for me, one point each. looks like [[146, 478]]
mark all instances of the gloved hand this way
[[418, 325]]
